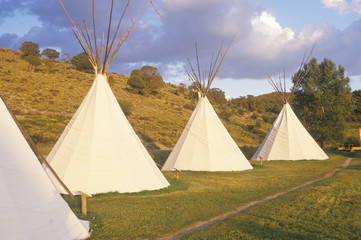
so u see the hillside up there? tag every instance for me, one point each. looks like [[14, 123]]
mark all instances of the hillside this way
[[44, 101]]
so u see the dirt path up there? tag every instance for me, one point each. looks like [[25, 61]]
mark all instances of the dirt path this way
[[201, 225]]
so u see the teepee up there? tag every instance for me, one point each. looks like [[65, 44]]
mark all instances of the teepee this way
[[205, 144], [30, 206], [288, 139], [99, 151]]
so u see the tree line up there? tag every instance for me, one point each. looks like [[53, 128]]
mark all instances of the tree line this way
[[30, 51]]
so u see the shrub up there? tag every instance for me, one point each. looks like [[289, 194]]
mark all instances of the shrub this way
[[254, 115], [241, 111], [34, 61], [258, 123], [111, 79], [136, 82], [126, 106], [189, 106]]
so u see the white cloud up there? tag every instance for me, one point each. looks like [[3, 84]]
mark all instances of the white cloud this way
[[267, 25], [343, 6], [356, 6], [268, 39], [340, 5]]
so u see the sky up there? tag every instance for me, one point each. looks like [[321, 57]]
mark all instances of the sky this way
[[270, 35]]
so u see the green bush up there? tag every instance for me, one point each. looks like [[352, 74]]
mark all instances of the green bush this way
[[136, 82], [34, 61], [189, 106], [258, 123], [127, 107]]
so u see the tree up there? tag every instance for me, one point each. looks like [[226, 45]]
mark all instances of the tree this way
[[217, 96], [147, 76], [29, 49], [356, 96], [50, 53], [323, 101], [81, 62], [34, 61], [66, 59], [152, 79]]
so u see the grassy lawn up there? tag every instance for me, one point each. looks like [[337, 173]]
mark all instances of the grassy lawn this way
[[199, 196], [330, 209]]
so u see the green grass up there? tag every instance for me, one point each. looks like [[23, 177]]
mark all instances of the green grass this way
[[329, 209], [197, 196]]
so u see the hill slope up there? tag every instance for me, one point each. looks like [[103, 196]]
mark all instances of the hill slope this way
[[44, 101]]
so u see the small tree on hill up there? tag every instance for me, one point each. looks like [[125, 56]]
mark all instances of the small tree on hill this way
[[34, 61], [81, 62], [29, 49], [49, 64], [152, 79], [50, 53], [147, 76], [66, 59]]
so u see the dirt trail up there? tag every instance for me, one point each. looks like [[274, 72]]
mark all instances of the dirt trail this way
[[201, 225]]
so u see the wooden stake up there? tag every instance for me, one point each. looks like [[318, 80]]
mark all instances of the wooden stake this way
[[261, 158], [177, 173], [83, 203], [359, 136]]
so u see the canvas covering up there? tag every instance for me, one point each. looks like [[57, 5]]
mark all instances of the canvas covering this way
[[30, 206], [288, 139], [206, 145], [99, 151]]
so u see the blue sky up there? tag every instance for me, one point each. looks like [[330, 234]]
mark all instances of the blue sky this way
[[271, 34]]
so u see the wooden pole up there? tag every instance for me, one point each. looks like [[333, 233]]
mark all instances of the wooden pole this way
[[177, 173], [359, 136], [36, 150], [83, 203], [260, 159]]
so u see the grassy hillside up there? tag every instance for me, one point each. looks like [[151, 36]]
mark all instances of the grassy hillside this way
[[44, 101]]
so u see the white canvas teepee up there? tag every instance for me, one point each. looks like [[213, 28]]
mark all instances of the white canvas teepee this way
[[99, 151], [30, 206], [288, 139], [205, 144]]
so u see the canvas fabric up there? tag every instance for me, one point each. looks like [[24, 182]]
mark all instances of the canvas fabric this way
[[288, 139], [99, 151], [206, 145], [30, 206]]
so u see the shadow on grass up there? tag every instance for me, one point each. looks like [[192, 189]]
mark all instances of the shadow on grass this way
[[175, 185], [160, 156], [248, 151], [356, 154]]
